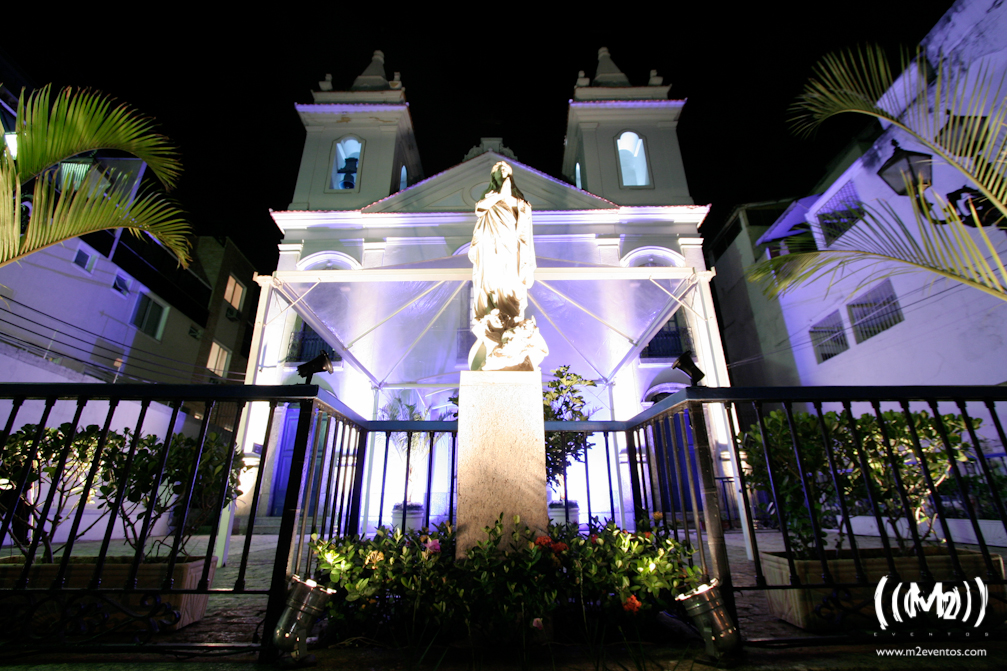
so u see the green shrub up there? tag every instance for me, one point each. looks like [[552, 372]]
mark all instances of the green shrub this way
[[409, 589], [67, 483], [851, 477]]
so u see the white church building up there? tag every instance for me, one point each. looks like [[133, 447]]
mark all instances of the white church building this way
[[374, 269]]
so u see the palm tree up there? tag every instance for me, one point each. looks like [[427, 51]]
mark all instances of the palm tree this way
[[41, 205], [957, 116]]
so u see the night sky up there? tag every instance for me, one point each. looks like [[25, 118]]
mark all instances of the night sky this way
[[224, 92]]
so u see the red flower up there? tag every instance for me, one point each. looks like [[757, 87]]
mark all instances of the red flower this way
[[543, 540], [593, 538], [559, 547], [646, 534], [632, 604]]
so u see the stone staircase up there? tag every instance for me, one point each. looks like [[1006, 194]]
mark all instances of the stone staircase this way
[[264, 526]]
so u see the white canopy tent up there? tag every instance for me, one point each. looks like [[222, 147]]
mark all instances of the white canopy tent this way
[[406, 326]]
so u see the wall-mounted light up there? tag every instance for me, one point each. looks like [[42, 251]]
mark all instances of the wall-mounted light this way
[[903, 164], [305, 602], [958, 133]]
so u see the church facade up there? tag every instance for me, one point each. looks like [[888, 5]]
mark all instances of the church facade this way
[[374, 271]]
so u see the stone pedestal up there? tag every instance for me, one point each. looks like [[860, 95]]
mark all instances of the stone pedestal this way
[[501, 453]]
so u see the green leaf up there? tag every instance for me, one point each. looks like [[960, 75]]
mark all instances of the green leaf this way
[[964, 137], [53, 129]]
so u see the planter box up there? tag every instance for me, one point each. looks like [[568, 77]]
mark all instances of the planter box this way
[[191, 607], [558, 515], [961, 530], [797, 606], [414, 518]]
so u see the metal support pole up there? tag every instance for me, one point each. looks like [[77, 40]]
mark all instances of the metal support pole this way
[[711, 508]]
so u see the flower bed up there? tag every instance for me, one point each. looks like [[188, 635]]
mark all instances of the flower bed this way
[[408, 589]]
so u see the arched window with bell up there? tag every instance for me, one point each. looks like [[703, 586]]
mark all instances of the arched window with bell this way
[[632, 151], [346, 159]]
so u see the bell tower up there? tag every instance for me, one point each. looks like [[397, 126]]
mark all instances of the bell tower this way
[[622, 140], [360, 145]]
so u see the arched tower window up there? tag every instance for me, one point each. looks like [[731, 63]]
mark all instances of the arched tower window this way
[[576, 176], [633, 160], [403, 178], [346, 164]]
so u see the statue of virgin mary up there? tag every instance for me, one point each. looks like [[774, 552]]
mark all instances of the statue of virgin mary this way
[[502, 250], [503, 268]]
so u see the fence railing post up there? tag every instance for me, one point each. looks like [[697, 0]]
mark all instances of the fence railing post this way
[[711, 507], [639, 511], [353, 519], [285, 539]]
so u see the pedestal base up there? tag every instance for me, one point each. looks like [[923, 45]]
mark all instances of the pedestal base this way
[[501, 453]]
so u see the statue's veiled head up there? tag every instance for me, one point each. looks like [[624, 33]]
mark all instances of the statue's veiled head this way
[[501, 171]]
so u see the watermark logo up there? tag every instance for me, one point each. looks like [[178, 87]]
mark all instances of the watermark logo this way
[[946, 605]]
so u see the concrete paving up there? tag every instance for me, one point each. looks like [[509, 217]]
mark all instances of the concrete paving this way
[[235, 618]]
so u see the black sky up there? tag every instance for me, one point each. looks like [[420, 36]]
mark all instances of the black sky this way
[[224, 91]]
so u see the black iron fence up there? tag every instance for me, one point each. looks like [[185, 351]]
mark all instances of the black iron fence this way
[[894, 474], [112, 499], [848, 495]]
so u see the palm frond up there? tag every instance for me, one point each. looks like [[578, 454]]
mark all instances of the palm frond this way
[[851, 81], [54, 128], [867, 251], [959, 116], [61, 215], [10, 207]]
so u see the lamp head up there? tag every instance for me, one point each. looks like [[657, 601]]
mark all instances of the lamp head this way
[[317, 365], [689, 367], [903, 165]]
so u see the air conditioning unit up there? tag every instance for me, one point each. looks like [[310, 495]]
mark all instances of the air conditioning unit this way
[[233, 314]]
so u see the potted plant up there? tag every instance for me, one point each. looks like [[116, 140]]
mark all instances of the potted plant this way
[[141, 492], [798, 606], [55, 490], [410, 448], [57, 466], [979, 494], [563, 400]]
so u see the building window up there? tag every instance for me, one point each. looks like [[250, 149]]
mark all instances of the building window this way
[[305, 345], [220, 356], [403, 178], [633, 160], [346, 164], [150, 316], [670, 342], [234, 294], [84, 259], [874, 311], [576, 176], [829, 337], [840, 214], [122, 284]]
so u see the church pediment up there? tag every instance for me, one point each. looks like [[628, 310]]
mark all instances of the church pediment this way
[[458, 189]]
